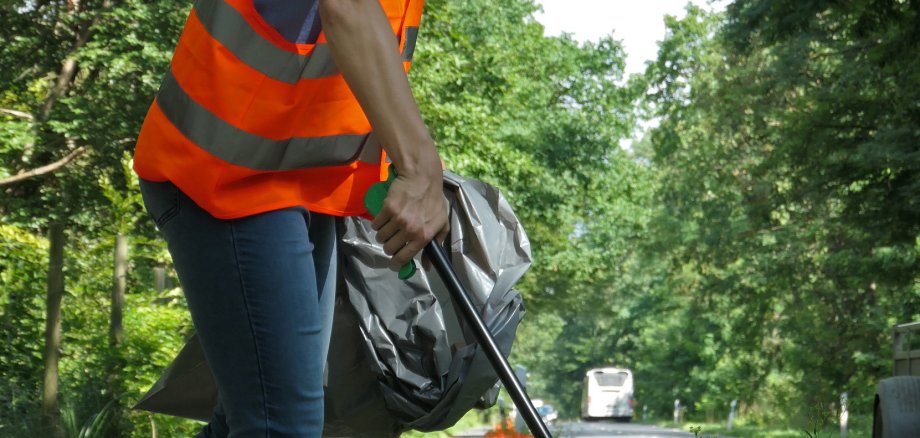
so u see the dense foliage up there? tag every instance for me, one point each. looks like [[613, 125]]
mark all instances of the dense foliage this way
[[757, 244], [787, 160]]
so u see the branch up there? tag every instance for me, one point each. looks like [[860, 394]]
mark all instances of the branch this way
[[15, 113], [44, 169]]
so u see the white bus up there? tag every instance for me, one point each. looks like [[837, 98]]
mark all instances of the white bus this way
[[608, 393]]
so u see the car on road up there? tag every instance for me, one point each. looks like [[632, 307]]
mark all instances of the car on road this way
[[548, 413], [897, 399]]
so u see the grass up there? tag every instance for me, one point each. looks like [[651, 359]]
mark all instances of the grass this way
[[858, 427], [472, 419]]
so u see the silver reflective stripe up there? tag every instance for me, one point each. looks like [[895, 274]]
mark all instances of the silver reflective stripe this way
[[227, 26], [411, 35], [371, 150], [239, 147]]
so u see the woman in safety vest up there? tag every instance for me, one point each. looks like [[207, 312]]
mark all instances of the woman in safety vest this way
[[274, 117]]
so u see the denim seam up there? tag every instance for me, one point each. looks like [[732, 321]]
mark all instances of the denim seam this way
[[172, 212], [252, 329]]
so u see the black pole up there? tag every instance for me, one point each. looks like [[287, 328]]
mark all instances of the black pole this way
[[525, 407]]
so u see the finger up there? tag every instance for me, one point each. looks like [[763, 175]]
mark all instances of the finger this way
[[382, 218], [406, 254], [395, 243], [387, 231], [442, 235]]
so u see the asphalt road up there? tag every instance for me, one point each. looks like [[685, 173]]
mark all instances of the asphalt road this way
[[599, 430], [615, 430]]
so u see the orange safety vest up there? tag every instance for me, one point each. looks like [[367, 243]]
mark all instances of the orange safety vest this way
[[247, 122]]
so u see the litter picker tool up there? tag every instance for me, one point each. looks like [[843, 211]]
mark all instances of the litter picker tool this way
[[373, 200]]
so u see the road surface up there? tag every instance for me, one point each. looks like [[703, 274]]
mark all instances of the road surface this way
[[598, 430]]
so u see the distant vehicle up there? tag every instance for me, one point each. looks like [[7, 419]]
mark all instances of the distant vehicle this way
[[608, 393], [897, 399], [548, 413]]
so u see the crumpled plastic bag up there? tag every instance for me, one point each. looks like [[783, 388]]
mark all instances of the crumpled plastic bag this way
[[400, 357], [421, 362]]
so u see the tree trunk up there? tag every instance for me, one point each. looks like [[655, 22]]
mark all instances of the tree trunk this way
[[153, 427], [62, 84], [118, 289], [118, 426], [159, 278], [50, 415]]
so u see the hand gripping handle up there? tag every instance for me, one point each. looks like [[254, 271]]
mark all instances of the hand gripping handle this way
[[373, 200]]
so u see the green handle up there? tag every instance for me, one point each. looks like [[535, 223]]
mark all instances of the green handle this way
[[373, 200]]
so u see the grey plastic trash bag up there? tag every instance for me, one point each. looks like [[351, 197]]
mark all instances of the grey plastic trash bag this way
[[186, 388], [400, 357], [426, 366]]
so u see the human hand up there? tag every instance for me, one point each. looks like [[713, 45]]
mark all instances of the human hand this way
[[414, 212]]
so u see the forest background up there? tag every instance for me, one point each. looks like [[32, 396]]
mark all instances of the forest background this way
[[758, 244]]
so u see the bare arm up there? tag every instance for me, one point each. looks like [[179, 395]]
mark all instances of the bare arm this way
[[364, 49]]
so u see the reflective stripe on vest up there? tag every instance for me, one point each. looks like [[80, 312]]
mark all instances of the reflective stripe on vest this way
[[239, 147]]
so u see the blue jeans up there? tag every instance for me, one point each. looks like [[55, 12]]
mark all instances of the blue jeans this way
[[261, 291]]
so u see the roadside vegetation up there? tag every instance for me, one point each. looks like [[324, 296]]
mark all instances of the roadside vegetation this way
[[859, 427]]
